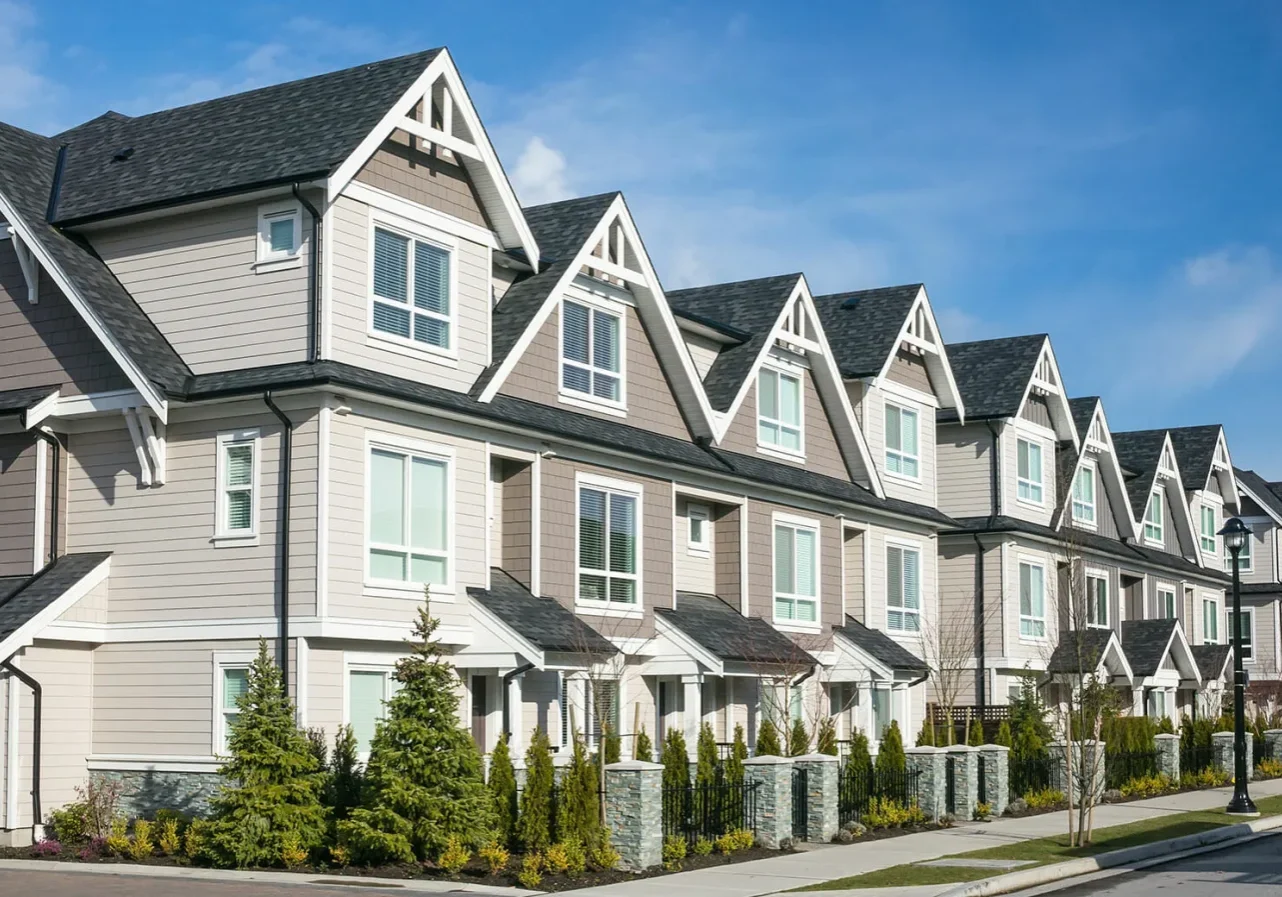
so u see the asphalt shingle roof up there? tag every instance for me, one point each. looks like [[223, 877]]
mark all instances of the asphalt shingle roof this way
[[17, 607], [750, 306], [1262, 490], [1084, 646], [16, 401], [728, 634], [1262, 588], [1138, 451], [1145, 642], [1211, 660], [863, 326], [881, 646], [1194, 452], [543, 621], [992, 375], [1083, 411]]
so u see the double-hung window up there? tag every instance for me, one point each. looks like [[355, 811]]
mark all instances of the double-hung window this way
[[591, 353], [1166, 603], [1032, 600], [901, 442], [409, 517], [1244, 562], [779, 410], [1210, 621], [1096, 600], [1084, 496], [903, 589], [412, 286], [1029, 471], [368, 691], [1208, 529], [233, 684], [608, 551], [796, 572], [1245, 622], [1153, 518], [237, 475]]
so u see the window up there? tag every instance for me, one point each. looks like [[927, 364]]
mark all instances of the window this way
[[605, 709], [901, 442], [880, 711], [1158, 704], [409, 518], [608, 551], [779, 411], [565, 710], [1210, 621], [1032, 601], [368, 691], [591, 359], [1029, 473], [1208, 529], [697, 536], [1096, 600], [233, 684], [1246, 633], [1166, 603], [237, 476], [1153, 519], [903, 589], [279, 231], [1084, 496], [796, 572], [1244, 560], [412, 290]]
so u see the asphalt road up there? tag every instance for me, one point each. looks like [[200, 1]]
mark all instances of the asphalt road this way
[[72, 884], [1252, 870]]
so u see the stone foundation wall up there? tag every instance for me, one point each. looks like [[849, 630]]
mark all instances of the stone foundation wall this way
[[148, 791]]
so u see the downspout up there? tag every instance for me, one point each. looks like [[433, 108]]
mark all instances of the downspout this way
[[37, 715], [282, 536], [313, 281], [57, 483], [507, 681]]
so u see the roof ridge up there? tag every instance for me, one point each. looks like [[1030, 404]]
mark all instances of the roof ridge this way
[[731, 283], [559, 202], [848, 294], [996, 339]]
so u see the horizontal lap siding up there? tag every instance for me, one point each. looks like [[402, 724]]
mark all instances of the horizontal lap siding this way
[[923, 492], [1262, 561], [694, 572], [964, 457], [760, 564], [1010, 466], [728, 551], [1019, 649], [194, 276], [17, 503], [823, 455], [65, 674]]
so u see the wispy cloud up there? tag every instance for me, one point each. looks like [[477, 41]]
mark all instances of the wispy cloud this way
[[539, 175], [21, 54]]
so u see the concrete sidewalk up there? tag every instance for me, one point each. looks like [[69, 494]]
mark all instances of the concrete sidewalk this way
[[824, 862]]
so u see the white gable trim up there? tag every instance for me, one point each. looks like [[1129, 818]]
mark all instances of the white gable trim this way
[[1061, 415], [488, 621], [155, 400], [483, 165], [1173, 489], [1225, 466], [25, 634], [936, 355], [1119, 498], [1250, 493], [848, 648]]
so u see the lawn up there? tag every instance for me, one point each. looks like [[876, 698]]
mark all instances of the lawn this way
[[1048, 850]]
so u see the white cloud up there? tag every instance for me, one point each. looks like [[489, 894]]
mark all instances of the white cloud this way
[[20, 57], [956, 325], [539, 175]]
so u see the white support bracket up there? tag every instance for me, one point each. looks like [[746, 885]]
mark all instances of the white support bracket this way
[[154, 438], [30, 267], [140, 448]]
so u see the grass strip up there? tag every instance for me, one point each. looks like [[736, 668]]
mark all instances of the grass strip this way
[[1043, 851]]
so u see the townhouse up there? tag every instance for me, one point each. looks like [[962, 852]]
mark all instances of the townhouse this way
[[1261, 574]]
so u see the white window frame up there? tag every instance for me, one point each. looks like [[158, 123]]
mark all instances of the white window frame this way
[[1030, 617], [702, 513], [224, 660], [1158, 602], [1038, 484], [267, 260], [1160, 527], [1214, 604], [408, 345], [611, 608], [1245, 558], [1166, 702], [769, 448], [906, 545], [902, 408], [1214, 534], [595, 305], [222, 535], [367, 663], [1092, 521], [794, 523], [428, 451], [1098, 576], [1248, 659]]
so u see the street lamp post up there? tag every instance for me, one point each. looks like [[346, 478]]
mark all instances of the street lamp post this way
[[1235, 534]]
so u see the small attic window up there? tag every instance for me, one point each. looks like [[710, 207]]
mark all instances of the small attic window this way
[[279, 236]]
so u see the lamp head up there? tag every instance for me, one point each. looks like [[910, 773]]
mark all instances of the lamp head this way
[[1235, 534]]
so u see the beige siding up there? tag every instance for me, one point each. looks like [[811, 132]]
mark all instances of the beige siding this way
[[91, 608], [194, 276], [1037, 410], [694, 571], [1019, 649], [853, 546], [822, 452], [517, 520], [401, 168], [1262, 559], [325, 686], [728, 544], [165, 564], [921, 491], [965, 470], [349, 312], [17, 503], [880, 540], [760, 562], [703, 352], [650, 403], [910, 370], [65, 674], [540, 705], [1011, 503], [501, 280], [1265, 662]]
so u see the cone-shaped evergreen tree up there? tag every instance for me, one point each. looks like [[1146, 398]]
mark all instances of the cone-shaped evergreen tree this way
[[976, 736], [273, 791], [705, 772], [1003, 734], [578, 804], [343, 793], [424, 783], [768, 740], [534, 829], [676, 760], [926, 737], [502, 786], [798, 739], [891, 757], [826, 738], [613, 745], [860, 759], [643, 750], [738, 753]]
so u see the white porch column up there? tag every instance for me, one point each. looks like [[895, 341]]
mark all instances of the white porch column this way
[[516, 715], [692, 710]]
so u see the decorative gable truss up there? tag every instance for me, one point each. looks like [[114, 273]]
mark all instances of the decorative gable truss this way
[[26, 261], [920, 336], [1097, 446], [1046, 383], [797, 332], [1221, 479]]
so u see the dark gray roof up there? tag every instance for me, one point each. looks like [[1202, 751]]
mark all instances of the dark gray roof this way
[[1126, 552], [20, 605], [1262, 588], [863, 326], [1139, 451], [1083, 411], [1194, 452], [728, 634], [881, 646], [1145, 643], [992, 375], [750, 306], [16, 401], [1263, 491], [1079, 651], [1067, 457], [1211, 660], [27, 165], [275, 134], [543, 621]]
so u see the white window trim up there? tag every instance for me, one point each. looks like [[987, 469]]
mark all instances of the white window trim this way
[[1040, 565], [1215, 510], [910, 545], [698, 511], [366, 663], [578, 399], [224, 537], [413, 231], [383, 588], [778, 451], [224, 660], [901, 406], [1101, 575], [607, 608], [1160, 541], [1093, 522], [1039, 483], [1214, 601], [1249, 612], [1249, 566], [777, 519], [1158, 591], [265, 259]]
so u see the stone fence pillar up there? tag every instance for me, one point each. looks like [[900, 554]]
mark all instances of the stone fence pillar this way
[[931, 783], [965, 761], [773, 777], [1168, 756], [634, 812], [1273, 744], [1222, 750], [996, 776], [1087, 757], [821, 803]]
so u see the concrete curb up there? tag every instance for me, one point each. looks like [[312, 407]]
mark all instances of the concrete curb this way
[[192, 873], [1042, 875]]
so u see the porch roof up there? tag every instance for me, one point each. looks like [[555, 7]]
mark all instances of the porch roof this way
[[881, 646], [728, 635], [544, 622]]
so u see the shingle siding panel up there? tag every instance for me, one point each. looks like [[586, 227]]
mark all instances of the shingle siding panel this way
[[964, 456], [423, 178], [17, 504]]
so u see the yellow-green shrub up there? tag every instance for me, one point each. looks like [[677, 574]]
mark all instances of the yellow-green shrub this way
[[1044, 799], [142, 846], [454, 857], [603, 855], [884, 812], [168, 839], [292, 853], [576, 856], [531, 874], [495, 857], [674, 851], [983, 810], [1268, 769], [1146, 786], [1206, 778], [702, 847], [340, 855], [557, 859], [735, 840]]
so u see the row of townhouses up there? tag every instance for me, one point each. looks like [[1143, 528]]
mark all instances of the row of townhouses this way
[[275, 363]]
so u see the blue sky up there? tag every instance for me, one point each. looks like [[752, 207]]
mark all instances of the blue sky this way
[[1108, 173]]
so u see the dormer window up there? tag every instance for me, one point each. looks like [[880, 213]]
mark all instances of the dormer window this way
[[1207, 531], [591, 353], [901, 442], [1029, 472], [779, 411], [1153, 518], [1084, 496], [412, 286]]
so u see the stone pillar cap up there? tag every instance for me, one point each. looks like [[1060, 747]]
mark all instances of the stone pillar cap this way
[[768, 760], [816, 758], [922, 749], [993, 747], [1273, 731], [632, 765], [1167, 735], [960, 748]]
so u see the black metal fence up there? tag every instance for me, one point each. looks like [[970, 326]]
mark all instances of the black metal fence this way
[[800, 802], [857, 786], [1029, 773], [709, 810], [1259, 751], [1195, 758], [1122, 766]]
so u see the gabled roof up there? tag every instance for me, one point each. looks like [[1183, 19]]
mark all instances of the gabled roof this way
[[27, 606], [881, 646], [544, 622], [1083, 411], [286, 132], [1195, 452], [992, 375], [1212, 660], [728, 635], [1139, 451], [863, 326], [1261, 492], [1146, 643], [1084, 650], [1069, 458]]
